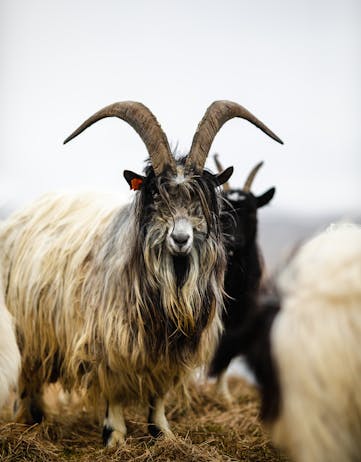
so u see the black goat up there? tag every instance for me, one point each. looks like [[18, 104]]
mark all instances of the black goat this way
[[243, 273]]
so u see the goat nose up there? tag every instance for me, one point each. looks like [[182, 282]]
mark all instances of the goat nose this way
[[180, 238]]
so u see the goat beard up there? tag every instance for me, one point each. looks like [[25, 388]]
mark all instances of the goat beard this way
[[184, 285], [181, 268]]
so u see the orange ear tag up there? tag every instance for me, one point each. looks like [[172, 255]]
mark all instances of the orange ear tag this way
[[136, 184]]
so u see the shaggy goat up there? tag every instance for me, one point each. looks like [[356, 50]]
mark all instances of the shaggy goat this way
[[244, 269], [305, 350], [9, 352], [122, 301]]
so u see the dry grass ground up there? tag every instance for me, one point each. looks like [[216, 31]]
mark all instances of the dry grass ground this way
[[206, 431]]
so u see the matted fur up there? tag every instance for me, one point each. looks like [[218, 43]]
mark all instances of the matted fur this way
[[9, 352], [96, 297], [316, 346]]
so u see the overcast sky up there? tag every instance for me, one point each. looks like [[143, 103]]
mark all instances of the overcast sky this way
[[294, 64]]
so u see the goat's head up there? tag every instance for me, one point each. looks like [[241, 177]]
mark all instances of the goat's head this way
[[239, 216], [177, 201], [177, 210]]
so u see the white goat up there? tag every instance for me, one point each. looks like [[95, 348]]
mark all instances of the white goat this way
[[9, 352], [316, 346]]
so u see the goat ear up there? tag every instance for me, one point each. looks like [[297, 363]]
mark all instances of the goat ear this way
[[265, 198], [224, 176], [134, 180]]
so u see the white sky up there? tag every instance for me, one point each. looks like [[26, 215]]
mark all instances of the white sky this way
[[294, 64]]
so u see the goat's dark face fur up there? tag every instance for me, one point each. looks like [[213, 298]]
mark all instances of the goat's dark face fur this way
[[239, 217]]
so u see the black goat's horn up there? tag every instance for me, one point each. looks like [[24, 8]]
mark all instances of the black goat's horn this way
[[220, 169], [251, 176]]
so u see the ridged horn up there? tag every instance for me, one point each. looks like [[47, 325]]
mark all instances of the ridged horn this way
[[215, 117], [251, 176], [220, 169], [145, 124]]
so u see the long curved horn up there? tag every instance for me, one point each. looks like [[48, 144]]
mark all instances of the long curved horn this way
[[220, 169], [145, 124], [216, 115], [251, 176]]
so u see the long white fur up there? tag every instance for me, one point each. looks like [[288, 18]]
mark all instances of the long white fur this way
[[9, 352], [316, 344]]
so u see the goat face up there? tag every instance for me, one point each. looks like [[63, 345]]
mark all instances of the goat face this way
[[177, 212], [239, 216]]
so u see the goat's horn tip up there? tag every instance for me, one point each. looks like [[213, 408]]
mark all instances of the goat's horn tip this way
[[70, 137]]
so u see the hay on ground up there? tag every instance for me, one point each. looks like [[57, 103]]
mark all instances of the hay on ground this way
[[205, 431]]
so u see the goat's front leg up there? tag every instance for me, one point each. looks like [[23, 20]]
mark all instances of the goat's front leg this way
[[157, 421], [114, 428]]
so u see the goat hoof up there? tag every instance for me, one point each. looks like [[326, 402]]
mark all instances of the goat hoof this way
[[112, 438], [156, 432], [168, 435]]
